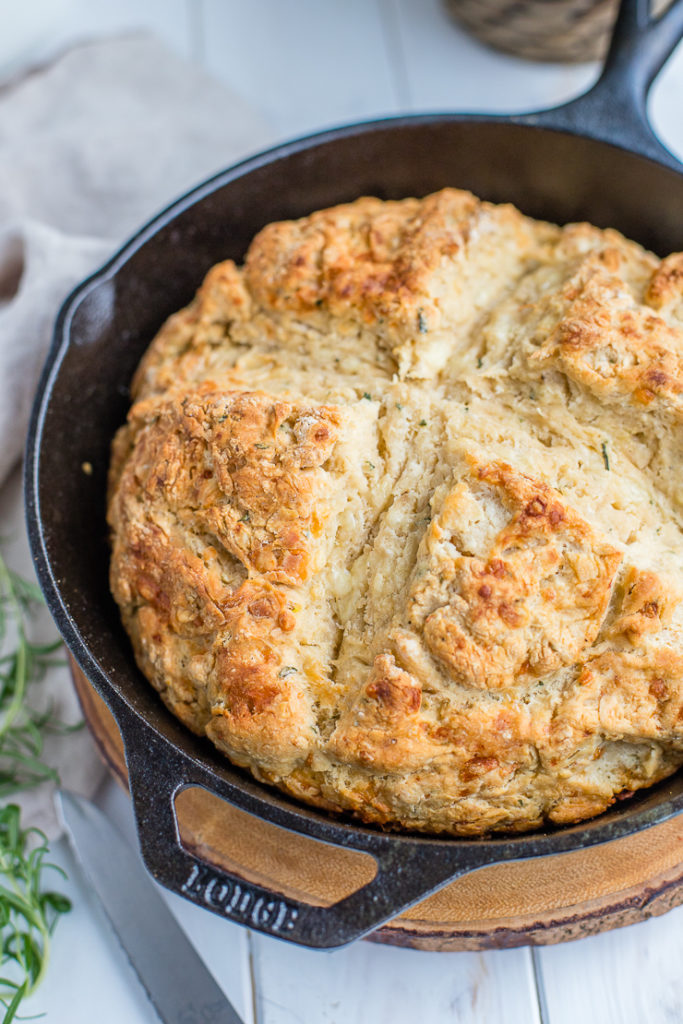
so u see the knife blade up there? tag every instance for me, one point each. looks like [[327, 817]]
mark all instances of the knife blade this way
[[179, 985]]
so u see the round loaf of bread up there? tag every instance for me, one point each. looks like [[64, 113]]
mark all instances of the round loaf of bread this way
[[396, 514]]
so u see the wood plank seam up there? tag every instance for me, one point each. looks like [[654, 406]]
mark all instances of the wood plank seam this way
[[252, 977], [391, 31], [539, 984], [196, 20]]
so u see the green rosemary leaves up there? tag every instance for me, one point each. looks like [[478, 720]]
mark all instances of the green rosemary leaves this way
[[28, 911]]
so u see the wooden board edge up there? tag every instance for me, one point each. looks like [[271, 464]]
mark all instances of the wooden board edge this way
[[630, 906]]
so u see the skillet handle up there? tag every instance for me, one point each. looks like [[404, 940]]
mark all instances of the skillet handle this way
[[615, 109], [405, 874]]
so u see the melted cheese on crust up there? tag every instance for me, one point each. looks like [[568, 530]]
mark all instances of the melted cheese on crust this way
[[396, 515]]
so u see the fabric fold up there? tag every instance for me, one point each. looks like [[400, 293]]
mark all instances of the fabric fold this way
[[91, 147]]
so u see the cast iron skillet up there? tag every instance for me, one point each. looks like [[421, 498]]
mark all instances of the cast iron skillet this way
[[595, 159]]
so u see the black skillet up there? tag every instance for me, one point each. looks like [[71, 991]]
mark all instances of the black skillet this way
[[594, 159]]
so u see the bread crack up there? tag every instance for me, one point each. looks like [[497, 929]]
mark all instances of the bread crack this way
[[396, 517]]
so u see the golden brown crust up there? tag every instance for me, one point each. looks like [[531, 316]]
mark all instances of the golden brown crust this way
[[613, 346], [383, 728], [237, 477], [396, 519], [531, 602], [666, 286], [388, 266], [648, 605], [371, 255]]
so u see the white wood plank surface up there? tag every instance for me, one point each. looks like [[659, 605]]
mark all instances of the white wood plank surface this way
[[307, 64], [386, 985], [666, 102], [628, 976], [89, 978], [88, 960], [446, 69]]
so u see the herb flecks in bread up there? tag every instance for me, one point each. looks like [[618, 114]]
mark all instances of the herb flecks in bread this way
[[396, 515]]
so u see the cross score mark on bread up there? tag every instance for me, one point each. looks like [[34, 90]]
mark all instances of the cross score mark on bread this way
[[396, 516]]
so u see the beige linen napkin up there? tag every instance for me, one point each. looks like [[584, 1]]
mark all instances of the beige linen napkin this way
[[90, 147]]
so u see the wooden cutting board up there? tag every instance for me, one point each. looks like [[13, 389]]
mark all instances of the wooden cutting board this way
[[540, 902]]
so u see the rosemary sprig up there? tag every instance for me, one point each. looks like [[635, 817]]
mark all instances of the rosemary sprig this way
[[21, 727], [28, 912]]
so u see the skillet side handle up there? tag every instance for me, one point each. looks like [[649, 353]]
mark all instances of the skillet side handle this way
[[404, 876], [615, 109]]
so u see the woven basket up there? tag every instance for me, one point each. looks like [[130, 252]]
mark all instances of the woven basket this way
[[560, 30]]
